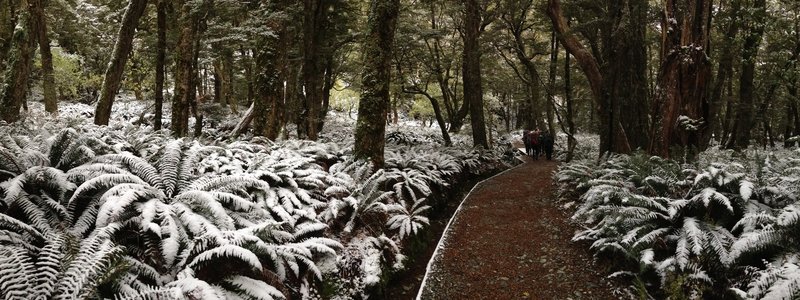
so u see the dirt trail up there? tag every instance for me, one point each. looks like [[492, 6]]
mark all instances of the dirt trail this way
[[511, 241]]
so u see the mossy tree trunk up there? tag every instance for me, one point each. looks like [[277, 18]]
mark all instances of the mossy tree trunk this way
[[374, 103], [473, 89], [119, 57], [724, 71], [19, 63], [313, 72], [184, 69], [161, 49], [268, 104], [684, 74], [618, 84], [7, 12], [744, 113], [572, 143], [624, 69]]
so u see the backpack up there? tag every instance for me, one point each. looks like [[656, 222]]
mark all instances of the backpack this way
[[526, 137], [534, 137]]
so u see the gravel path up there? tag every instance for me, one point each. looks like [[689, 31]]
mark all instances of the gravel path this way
[[510, 240]]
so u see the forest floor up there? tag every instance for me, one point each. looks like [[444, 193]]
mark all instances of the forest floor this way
[[511, 240]]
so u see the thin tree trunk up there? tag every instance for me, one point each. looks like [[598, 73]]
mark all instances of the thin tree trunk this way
[[437, 112], [161, 48], [227, 83], [248, 74], [326, 90], [744, 113], [473, 90], [18, 68], [552, 83], [48, 81], [572, 143], [119, 57], [195, 94], [374, 103]]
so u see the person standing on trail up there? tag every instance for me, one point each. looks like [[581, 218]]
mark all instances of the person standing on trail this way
[[547, 142], [527, 141], [534, 137]]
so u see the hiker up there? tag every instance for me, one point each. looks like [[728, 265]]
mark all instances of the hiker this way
[[547, 142], [527, 141], [535, 145]]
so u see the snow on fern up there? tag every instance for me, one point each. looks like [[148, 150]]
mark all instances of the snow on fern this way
[[704, 228], [131, 213]]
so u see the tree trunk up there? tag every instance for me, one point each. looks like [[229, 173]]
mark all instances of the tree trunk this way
[[248, 73], [314, 14], [244, 122], [327, 86], [48, 81], [612, 134], [682, 79], [184, 71], [572, 143], [269, 86], [18, 67], [374, 103], [725, 69], [794, 122], [744, 113], [437, 111], [196, 95], [7, 22], [161, 48], [552, 83], [473, 90], [119, 57], [625, 72]]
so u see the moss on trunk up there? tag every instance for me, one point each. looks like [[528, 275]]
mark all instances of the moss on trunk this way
[[374, 103], [18, 67]]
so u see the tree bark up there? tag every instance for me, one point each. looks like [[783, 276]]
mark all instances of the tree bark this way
[[327, 86], [682, 80], [551, 82], [19, 64], [572, 143], [268, 103], [184, 70], [793, 124], [244, 122], [119, 57], [725, 69], [612, 133], [624, 71], [374, 103], [48, 81], [744, 113], [7, 22], [161, 48], [473, 90], [314, 14]]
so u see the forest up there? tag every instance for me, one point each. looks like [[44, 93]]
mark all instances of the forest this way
[[278, 149]]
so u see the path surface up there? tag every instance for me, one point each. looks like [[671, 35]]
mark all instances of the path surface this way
[[509, 240]]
